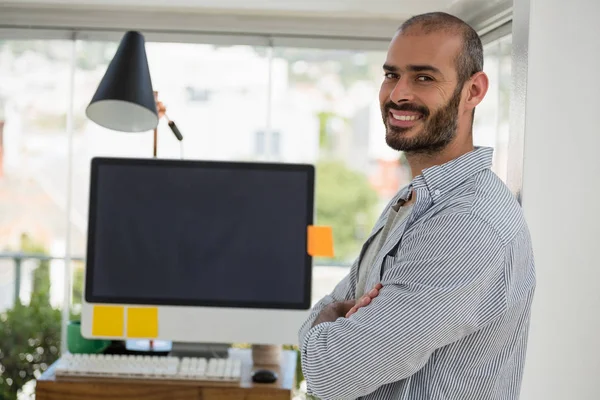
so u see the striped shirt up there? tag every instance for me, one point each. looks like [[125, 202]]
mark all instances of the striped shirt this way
[[451, 321]]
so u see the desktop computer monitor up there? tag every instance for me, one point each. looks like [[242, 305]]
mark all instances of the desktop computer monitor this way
[[216, 250]]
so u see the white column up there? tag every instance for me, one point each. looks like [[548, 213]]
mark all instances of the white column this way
[[67, 286], [557, 64]]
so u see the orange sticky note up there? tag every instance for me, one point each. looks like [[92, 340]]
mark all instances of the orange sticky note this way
[[108, 321], [142, 322], [320, 241]]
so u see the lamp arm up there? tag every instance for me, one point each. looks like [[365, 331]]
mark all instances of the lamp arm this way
[[162, 112]]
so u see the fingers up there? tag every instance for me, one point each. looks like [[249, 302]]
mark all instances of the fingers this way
[[365, 300], [375, 291], [352, 311], [362, 302]]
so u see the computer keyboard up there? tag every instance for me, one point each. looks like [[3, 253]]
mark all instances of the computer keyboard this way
[[148, 367]]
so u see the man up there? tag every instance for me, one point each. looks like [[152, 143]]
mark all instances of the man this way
[[437, 304]]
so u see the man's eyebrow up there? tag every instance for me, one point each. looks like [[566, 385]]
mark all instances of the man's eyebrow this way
[[424, 68], [389, 68], [413, 68]]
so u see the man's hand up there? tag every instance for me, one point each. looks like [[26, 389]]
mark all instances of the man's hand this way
[[346, 308], [365, 300], [334, 311]]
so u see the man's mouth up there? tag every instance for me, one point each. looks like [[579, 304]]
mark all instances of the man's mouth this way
[[404, 119]]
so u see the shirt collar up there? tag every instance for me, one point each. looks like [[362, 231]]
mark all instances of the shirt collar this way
[[441, 179]]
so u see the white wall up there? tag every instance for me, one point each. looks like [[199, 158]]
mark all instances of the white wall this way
[[561, 188]]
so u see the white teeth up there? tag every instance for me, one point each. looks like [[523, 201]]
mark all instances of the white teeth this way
[[406, 117]]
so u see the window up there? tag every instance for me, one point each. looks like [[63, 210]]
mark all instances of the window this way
[[227, 124], [34, 95], [293, 105], [491, 125], [325, 105]]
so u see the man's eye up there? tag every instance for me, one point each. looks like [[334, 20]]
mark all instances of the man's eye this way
[[390, 75], [424, 78]]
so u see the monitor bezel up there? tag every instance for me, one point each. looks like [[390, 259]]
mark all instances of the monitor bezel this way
[[98, 162]]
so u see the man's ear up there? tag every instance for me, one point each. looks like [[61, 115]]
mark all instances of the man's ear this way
[[477, 87]]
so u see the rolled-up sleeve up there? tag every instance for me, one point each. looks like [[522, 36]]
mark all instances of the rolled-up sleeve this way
[[446, 282]]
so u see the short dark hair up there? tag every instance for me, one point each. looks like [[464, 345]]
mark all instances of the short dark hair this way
[[470, 59]]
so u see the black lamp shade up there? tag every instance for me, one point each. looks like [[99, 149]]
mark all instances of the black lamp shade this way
[[124, 100]]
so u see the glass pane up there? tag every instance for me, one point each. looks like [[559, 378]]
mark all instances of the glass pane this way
[[30, 331], [34, 94], [491, 126], [217, 96], [325, 277], [326, 109]]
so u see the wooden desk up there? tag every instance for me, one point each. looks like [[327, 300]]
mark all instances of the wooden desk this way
[[50, 388]]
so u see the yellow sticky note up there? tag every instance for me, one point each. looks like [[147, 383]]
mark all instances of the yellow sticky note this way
[[108, 321], [142, 322], [320, 241]]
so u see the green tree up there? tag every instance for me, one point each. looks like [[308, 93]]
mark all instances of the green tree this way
[[346, 202], [29, 334], [325, 143], [29, 343], [41, 275], [78, 282]]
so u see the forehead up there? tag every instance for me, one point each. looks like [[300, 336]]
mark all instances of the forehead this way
[[438, 49]]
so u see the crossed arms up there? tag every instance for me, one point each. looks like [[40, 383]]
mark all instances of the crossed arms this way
[[447, 282]]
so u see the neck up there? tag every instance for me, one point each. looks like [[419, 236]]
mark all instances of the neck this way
[[420, 161]]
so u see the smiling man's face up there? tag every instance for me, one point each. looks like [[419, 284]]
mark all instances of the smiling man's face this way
[[420, 98]]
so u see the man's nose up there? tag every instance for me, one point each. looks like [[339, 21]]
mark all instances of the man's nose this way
[[402, 91]]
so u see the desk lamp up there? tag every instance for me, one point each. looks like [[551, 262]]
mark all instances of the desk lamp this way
[[125, 100]]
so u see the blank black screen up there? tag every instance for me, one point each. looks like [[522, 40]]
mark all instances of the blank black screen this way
[[199, 233]]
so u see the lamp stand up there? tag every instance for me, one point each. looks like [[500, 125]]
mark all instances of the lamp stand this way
[[162, 112], [155, 140]]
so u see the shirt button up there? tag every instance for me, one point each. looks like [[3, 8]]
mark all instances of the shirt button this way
[[437, 192]]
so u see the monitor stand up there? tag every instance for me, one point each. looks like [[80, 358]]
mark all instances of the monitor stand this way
[[206, 350]]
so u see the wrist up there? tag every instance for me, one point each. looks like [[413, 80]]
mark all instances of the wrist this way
[[329, 313], [338, 308]]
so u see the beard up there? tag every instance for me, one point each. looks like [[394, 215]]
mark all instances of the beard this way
[[439, 128]]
